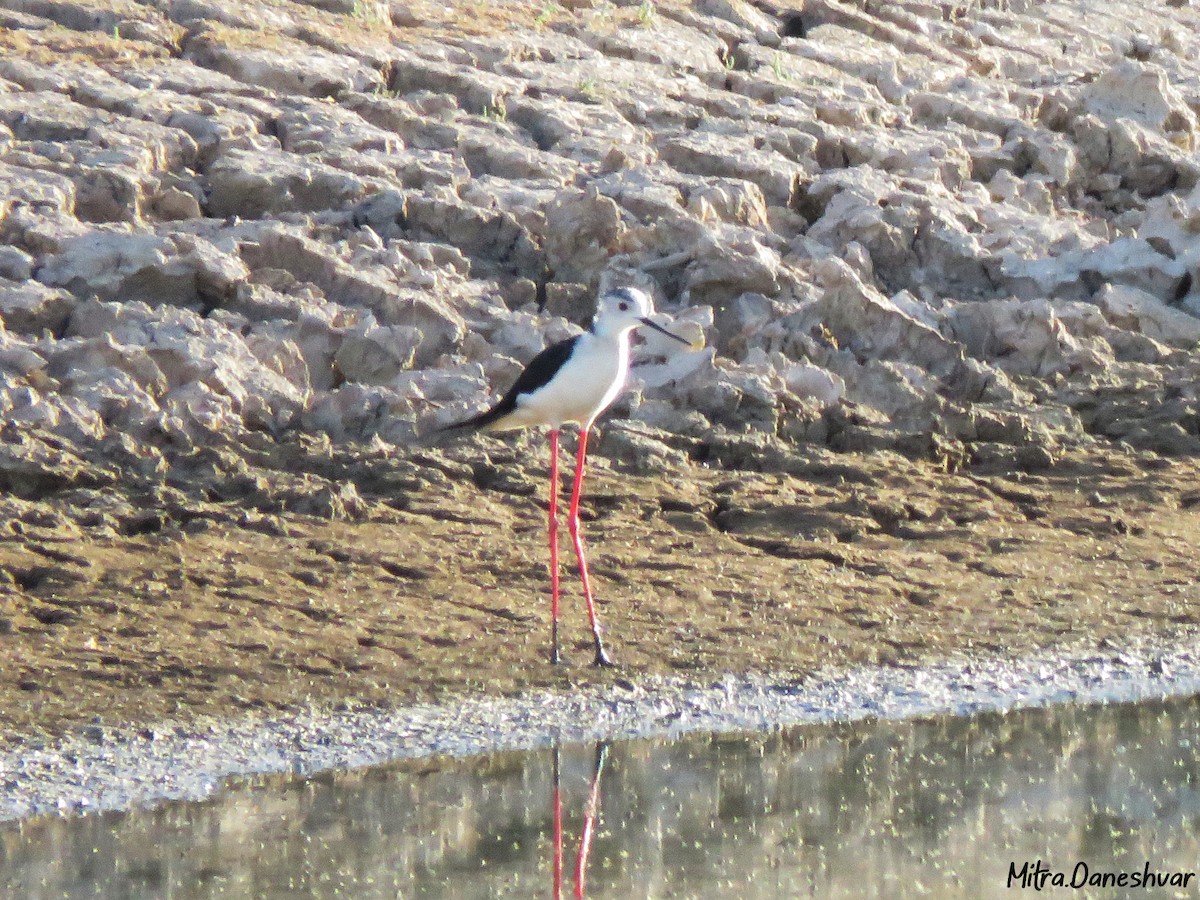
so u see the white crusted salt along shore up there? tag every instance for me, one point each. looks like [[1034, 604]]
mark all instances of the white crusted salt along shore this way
[[107, 768]]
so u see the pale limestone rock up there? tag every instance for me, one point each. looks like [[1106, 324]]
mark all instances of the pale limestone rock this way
[[201, 413], [374, 354], [172, 350], [728, 156], [317, 339], [522, 335], [481, 234], [26, 187], [214, 128], [122, 401], [1020, 337], [638, 191], [21, 362], [856, 206], [1172, 226], [524, 201], [173, 204], [179, 269], [468, 88], [461, 386], [86, 360], [57, 414], [322, 74], [32, 308], [307, 260], [255, 183], [125, 323], [662, 41], [738, 12], [666, 415], [808, 381], [1145, 160], [1146, 314], [740, 322], [314, 127], [728, 200], [1141, 92], [582, 232], [489, 154], [729, 261], [738, 399], [1079, 273], [904, 394], [874, 326], [637, 452], [573, 301], [46, 115], [282, 357], [880, 221]]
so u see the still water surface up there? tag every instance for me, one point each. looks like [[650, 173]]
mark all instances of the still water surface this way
[[934, 807]]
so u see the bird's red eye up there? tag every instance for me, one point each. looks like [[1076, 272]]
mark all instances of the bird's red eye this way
[[623, 307]]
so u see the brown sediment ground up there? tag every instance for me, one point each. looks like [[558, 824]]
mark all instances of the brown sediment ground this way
[[435, 584], [949, 233]]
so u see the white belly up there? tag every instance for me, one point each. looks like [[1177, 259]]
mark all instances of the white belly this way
[[582, 389]]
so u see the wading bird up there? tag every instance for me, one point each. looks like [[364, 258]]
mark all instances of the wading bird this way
[[574, 381]]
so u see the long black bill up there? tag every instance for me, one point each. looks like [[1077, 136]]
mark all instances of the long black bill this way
[[659, 328]]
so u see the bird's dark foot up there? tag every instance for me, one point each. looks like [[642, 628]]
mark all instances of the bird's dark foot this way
[[603, 660], [555, 657]]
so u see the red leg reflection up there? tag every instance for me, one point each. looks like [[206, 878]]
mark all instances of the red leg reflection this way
[[558, 830], [591, 811]]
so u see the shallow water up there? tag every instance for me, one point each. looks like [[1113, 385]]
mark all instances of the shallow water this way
[[938, 807]]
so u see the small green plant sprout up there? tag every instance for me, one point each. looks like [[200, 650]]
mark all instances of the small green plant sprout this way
[[496, 112], [727, 59], [588, 87], [371, 11], [548, 12], [778, 70], [646, 13]]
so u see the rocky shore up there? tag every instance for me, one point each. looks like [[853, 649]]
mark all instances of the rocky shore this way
[[943, 255]]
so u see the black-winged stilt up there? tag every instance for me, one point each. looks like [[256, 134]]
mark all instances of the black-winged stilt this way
[[574, 381]]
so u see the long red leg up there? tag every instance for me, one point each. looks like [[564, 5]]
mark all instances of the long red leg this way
[[576, 538], [589, 823], [554, 657], [558, 829]]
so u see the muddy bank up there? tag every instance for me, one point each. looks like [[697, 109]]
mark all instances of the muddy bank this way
[[435, 584]]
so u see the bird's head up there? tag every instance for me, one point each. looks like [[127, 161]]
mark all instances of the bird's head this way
[[622, 309]]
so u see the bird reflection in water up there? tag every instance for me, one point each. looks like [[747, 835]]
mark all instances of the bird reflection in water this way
[[591, 811]]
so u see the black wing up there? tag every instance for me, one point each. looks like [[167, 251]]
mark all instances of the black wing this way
[[541, 369]]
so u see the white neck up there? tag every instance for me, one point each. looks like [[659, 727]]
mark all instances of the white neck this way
[[612, 332]]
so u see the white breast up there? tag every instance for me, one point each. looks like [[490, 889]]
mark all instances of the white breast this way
[[583, 388]]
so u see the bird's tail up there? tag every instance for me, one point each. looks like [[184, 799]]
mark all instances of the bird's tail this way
[[487, 420], [477, 422]]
